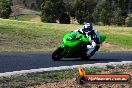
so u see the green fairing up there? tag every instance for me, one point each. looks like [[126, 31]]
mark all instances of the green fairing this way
[[102, 38], [73, 44], [73, 38]]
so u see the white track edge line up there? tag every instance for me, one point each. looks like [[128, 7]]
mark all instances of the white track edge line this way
[[14, 73]]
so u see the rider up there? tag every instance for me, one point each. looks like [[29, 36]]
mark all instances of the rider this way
[[92, 34]]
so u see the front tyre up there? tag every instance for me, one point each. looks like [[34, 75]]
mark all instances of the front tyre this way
[[56, 56]]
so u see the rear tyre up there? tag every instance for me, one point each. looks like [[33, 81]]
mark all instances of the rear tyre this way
[[93, 52], [86, 57], [56, 56]]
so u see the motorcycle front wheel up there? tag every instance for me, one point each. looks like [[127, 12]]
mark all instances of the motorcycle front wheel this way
[[56, 56]]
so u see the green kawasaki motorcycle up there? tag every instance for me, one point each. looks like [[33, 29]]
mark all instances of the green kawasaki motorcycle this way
[[74, 46]]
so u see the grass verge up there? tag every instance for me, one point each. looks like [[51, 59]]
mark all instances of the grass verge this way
[[24, 17], [33, 80], [31, 36]]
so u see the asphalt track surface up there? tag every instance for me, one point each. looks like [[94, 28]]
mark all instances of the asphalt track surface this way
[[34, 60]]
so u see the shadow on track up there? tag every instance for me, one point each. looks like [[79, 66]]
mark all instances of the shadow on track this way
[[97, 60]]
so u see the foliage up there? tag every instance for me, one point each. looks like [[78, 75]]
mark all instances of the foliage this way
[[95, 16], [51, 10], [101, 12], [48, 12], [110, 12], [64, 18], [117, 18], [70, 7], [119, 12], [5, 9], [104, 16], [84, 10], [128, 21]]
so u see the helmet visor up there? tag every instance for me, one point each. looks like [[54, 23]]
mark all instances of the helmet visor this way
[[87, 29]]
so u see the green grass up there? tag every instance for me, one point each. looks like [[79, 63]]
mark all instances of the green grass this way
[[121, 36], [38, 78], [33, 79], [24, 17], [31, 36]]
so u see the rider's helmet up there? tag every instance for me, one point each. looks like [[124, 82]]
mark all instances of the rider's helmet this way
[[88, 27]]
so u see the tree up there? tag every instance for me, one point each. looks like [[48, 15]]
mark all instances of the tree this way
[[48, 12], [102, 12], [117, 18], [84, 10], [128, 21], [95, 16], [5, 9], [64, 18], [33, 6], [123, 6], [39, 3], [70, 7], [118, 12], [52, 10], [104, 16]]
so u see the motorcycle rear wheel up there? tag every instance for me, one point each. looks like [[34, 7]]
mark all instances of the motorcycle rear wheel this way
[[86, 57]]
